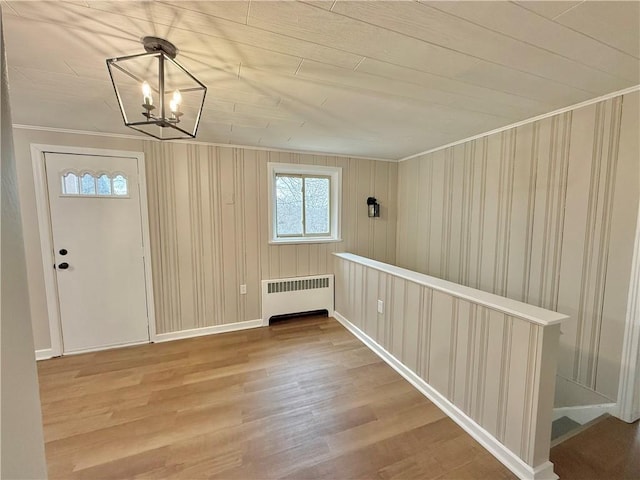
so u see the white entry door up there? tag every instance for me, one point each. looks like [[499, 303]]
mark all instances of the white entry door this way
[[96, 225]]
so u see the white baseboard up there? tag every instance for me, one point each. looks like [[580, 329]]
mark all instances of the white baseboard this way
[[44, 354], [585, 413], [198, 332], [488, 441], [47, 353]]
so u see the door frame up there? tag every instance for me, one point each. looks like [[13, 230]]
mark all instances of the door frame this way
[[38, 152]]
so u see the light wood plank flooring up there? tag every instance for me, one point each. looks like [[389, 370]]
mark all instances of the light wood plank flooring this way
[[302, 399], [608, 450]]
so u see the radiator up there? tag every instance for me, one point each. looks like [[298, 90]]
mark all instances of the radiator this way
[[296, 295]]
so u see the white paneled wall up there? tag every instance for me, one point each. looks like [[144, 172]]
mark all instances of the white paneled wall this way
[[544, 213], [209, 229], [489, 360]]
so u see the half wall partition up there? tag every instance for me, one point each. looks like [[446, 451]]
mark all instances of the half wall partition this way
[[487, 361]]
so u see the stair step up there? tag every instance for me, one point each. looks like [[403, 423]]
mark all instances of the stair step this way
[[562, 426], [565, 428]]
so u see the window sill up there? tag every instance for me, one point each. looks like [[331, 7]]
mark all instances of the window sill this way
[[301, 240]]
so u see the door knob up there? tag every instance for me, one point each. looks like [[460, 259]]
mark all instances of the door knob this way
[[63, 266]]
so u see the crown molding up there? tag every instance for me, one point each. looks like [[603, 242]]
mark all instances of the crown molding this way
[[40, 128], [585, 103]]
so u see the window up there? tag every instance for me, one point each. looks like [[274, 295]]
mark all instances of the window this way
[[305, 203], [87, 184]]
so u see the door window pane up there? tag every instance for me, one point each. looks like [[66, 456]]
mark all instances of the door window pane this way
[[70, 184], [316, 203], [88, 184], [104, 185], [289, 205], [119, 185]]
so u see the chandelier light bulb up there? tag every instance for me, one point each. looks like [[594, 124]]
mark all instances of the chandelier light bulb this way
[[146, 93], [177, 97], [173, 105]]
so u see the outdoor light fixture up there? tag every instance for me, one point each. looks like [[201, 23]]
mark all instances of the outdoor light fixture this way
[[157, 95], [373, 207]]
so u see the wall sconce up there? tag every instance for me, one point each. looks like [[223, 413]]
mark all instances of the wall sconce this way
[[373, 207]]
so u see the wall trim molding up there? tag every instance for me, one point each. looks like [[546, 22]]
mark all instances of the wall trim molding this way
[[106, 347], [542, 116], [20, 126], [629, 386], [47, 353], [44, 354], [488, 441], [212, 330], [584, 413]]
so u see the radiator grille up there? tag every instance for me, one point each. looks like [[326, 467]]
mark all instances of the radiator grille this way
[[295, 285]]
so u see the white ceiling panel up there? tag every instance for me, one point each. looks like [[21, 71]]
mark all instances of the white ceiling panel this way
[[493, 100], [436, 27], [517, 22], [613, 23], [525, 85], [215, 32], [547, 8], [166, 13], [304, 21], [379, 79]]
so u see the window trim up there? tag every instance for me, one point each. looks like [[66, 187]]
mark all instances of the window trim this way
[[335, 200]]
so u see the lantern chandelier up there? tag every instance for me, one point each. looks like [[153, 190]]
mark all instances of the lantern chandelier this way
[[157, 96]]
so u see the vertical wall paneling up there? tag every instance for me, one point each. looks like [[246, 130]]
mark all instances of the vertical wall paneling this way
[[620, 261], [497, 368], [465, 216], [425, 320], [209, 231], [481, 178], [461, 352], [164, 236], [471, 356], [482, 340], [410, 329], [542, 213], [492, 374], [512, 433], [440, 345], [195, 233]]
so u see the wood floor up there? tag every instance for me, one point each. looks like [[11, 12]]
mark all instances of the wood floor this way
[[302, 399], [608, 450]]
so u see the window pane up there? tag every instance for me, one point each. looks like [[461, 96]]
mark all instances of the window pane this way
[[119, 185], [316, 197], [70, 184], [88, 184], [288, 206], [104, 185]]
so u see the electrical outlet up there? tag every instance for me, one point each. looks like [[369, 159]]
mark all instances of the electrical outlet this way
[[380, 306], [243, 289]]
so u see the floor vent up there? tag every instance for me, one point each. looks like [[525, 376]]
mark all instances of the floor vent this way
[[285, 296]]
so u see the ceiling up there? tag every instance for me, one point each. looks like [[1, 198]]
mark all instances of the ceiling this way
[[374, 79]]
